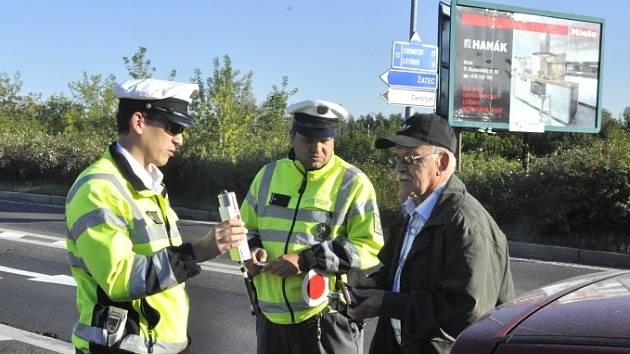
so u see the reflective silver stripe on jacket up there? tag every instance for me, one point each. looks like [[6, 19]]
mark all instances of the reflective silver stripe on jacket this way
[[141, 232], [362, 208], [271, 307], [140, 268], [94, 218], [251, 200], [77, 262], [163, 269], [304, 215], [265, 183], [132, 342], [343, 193], [299, 238], [332, 260]]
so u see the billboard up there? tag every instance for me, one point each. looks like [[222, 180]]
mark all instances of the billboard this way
[[524, 70]]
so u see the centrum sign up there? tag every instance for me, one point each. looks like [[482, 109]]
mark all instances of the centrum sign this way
[[407, 97]]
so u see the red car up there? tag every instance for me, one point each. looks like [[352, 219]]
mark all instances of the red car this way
[[585, 314]]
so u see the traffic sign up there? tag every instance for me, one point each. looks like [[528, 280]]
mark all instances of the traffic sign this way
[[411, 79], [408, 97], [414, 56]]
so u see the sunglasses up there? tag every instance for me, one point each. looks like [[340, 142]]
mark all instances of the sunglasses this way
[[169, 127]]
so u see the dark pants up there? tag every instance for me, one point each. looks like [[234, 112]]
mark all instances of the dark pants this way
[[323, 333]]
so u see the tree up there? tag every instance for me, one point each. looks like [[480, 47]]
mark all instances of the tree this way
[[139, 67], [95, 109], [272, 124], [626, 116], [225, 110]]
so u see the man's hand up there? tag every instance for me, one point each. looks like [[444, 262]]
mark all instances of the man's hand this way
[[220, 239], [259, 255], [370, 307], [284, 266]]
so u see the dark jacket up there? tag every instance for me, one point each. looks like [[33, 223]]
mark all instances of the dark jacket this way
[[457, 269]]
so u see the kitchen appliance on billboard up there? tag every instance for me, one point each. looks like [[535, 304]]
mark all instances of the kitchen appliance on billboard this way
[[524, 70]]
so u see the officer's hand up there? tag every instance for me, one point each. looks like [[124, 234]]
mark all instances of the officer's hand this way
[[259, 255], [370, 307], [284, 266], [220, 239], [229, 234]]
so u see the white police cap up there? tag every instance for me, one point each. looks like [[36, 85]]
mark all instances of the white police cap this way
[[167, 100], [153, 89], [317, 119], [319, 108]]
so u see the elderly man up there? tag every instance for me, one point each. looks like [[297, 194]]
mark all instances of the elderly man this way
[[125, 248], [314, 216], [448, 265]]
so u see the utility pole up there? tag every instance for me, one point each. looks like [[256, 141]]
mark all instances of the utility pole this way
[[412, 30]]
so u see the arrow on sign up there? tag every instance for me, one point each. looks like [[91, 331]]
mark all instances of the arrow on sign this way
[[410, 79], [39, 277], [409, 97]]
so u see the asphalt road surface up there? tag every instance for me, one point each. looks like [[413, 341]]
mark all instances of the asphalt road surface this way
[[38, 294]]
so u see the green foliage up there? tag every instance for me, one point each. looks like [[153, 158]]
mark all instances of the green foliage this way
[[225, 110], [272, 125], [577, 189], [95, 106], [42, 157], [503, 144], [138, 66]]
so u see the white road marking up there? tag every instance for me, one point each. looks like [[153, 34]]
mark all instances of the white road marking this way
[[55, 345], [32, 238], [61, 279], [56, 242], [221, 268]]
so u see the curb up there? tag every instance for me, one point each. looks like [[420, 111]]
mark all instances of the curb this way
[[517, 249], [569, 255], [192, 214]]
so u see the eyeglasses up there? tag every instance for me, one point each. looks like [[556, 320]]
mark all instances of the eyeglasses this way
[[169, 127], [408, 159]]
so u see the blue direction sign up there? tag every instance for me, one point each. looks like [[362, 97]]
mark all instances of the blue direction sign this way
[[414, 56], [410, 79]]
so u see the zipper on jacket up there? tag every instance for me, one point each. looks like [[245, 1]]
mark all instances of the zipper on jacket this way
[[286, 245]]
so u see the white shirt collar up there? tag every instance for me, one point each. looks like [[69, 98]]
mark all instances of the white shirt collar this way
[[152, 179]]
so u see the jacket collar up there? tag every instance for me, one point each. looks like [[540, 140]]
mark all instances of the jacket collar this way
[[125, 169], [313, 174], [448, 203]]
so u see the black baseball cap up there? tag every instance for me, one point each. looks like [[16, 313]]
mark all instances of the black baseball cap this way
[[421, 129]]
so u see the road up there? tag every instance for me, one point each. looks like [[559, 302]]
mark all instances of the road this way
[[38, 293]]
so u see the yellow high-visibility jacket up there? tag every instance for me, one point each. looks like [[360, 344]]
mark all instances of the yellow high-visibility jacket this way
[[329, 216], [126, 251]]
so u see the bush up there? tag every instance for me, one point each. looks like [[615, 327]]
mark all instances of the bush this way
[[51, 158]]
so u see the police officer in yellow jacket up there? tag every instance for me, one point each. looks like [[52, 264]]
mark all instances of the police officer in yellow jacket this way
[[314, 217], [125, 249]]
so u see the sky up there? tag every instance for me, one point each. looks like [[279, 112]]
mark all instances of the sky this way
[[329, 49]]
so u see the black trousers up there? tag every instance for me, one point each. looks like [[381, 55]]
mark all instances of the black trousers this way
[[323, 333]]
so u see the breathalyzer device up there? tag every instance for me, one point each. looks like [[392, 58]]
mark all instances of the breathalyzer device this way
[[228, 209]]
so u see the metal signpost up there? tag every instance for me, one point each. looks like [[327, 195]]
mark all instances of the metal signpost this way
[[412, 79]]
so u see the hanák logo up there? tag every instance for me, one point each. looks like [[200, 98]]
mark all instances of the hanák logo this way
[[492, 46]]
